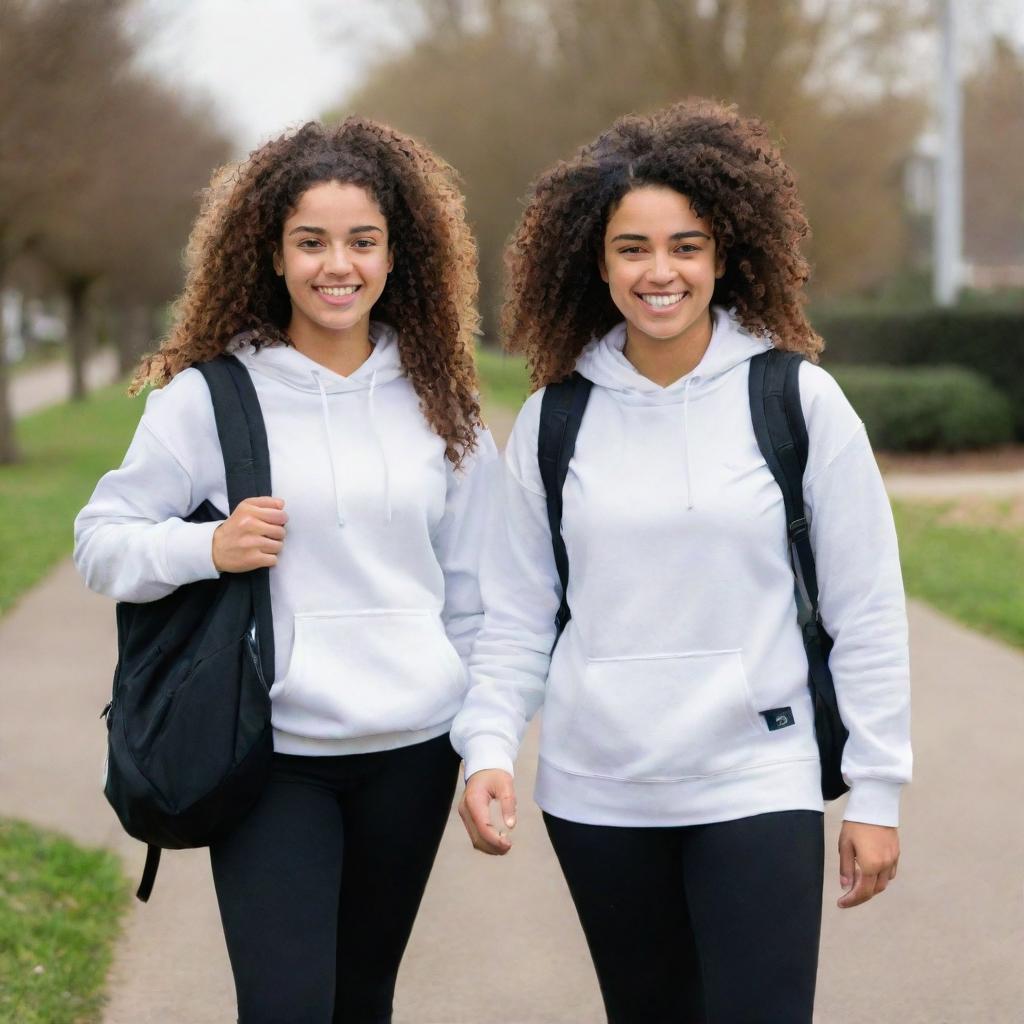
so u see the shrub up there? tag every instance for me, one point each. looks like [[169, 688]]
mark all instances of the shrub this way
[[989, 341], [941, 408]]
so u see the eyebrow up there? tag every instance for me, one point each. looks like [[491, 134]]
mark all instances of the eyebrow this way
[[360, 230], [673, 238]]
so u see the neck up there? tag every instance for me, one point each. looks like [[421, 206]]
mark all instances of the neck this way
[[665, 360], [342, 352]]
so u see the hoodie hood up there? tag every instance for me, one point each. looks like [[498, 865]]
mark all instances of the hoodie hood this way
[[604, 363], [290, 367]]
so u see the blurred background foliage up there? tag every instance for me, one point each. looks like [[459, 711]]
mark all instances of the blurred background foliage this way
[[101, 162]]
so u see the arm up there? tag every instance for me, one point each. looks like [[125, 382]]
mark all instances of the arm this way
[[509, 665], [131, 541], [863, 609], [459, 540]]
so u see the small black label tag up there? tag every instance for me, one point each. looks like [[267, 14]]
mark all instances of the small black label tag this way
[[778, 718]]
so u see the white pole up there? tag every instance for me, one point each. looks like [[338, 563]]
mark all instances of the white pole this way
[[948, 245]]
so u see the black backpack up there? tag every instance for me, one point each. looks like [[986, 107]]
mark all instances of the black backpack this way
[[189, 737], [782, 437]]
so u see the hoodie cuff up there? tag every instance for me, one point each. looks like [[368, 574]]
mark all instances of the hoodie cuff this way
[[487, 751], [874, 802], [188, 552]]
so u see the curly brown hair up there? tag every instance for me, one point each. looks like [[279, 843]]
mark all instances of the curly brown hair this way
[[732, 174], [430, 296]]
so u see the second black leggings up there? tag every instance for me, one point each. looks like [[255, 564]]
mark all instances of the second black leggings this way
[[319, 885], [702, 924]]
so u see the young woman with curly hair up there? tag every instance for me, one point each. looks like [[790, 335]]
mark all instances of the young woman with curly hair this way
[[688, 822], [336, 265]]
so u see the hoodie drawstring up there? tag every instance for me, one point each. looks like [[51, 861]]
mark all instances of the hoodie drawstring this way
[[380, 448], [330, 449], [686, 442]]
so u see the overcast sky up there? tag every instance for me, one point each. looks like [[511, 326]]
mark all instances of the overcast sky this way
[[266, 64]]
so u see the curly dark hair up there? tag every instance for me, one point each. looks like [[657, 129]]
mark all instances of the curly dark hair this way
[[732, 174], [430, 295]]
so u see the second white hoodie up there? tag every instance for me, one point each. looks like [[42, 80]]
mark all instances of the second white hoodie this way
[[684, 626], [375, 595]]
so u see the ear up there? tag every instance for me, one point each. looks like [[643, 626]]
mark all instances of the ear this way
[[278, 263], [602, 267], [391, 258], [720, 265]]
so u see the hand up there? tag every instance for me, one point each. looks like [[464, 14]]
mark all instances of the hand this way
[[475, 805], [868, 855], [251, 537]]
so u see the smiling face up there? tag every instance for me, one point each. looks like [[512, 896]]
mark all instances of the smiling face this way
[[335, 257], [660, 262]]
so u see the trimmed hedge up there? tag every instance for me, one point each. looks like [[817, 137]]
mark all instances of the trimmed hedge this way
[[989, 341], [939, 408]]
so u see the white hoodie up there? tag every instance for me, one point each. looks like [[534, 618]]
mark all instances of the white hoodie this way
[[375, 595], [684, 624]]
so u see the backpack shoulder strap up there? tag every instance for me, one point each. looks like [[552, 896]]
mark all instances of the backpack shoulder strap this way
[[561, 413], [243, 442], [240, 428], [781, 433]]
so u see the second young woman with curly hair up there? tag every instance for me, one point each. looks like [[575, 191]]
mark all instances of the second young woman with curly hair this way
[[336, 264], [685, 808]]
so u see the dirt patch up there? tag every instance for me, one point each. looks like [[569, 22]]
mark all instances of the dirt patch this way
[[1006, 458]]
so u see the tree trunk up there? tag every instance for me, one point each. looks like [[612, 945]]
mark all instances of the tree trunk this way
[[8, 443], [134, 336], [78, 335]]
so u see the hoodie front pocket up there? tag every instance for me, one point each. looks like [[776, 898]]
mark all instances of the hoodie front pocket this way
[[368, 672], [660, 718]]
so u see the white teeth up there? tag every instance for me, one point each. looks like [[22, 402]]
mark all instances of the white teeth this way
[[660, 301], [346, 290]]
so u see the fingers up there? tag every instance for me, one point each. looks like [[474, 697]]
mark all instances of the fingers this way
[[490, 843], [507, 798], [474, 811], [866, 866], [846, 862], [262, 510], [863, 889]]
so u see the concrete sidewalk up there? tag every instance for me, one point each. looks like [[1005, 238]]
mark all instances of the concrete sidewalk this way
[[50, 383]]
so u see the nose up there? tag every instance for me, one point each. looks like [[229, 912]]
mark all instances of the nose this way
[[338, 261], [661, 270]]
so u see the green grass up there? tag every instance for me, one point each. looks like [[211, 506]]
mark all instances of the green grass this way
[[59, 912], [65, 450], [504, 378], [967, 562]]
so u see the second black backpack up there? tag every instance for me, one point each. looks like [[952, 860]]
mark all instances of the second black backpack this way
[[781, 433], [189, 737]]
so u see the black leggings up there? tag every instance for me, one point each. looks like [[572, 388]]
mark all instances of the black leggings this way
[[319, 886], [716, 924]]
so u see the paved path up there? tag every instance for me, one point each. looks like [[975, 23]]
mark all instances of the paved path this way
[[497, 939], [51, 383]]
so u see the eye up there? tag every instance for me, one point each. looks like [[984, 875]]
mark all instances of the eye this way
[[687, 247], [310, 243], [630, 250], [364, 243]]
